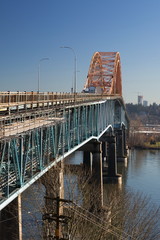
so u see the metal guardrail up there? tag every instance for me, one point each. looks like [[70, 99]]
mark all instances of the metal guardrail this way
[[7, 98]]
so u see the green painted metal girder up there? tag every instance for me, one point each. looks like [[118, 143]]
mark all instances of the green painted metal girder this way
[[24, 155]]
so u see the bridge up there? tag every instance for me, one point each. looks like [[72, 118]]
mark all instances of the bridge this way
[[40, 129]]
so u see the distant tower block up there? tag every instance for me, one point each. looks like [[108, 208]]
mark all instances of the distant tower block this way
[[145, 103], [140, 100]]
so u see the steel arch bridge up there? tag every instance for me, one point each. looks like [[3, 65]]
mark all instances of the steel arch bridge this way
[[104, 75], [41, 129]]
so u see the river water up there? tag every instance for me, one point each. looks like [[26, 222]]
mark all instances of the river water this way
[[141, 173]]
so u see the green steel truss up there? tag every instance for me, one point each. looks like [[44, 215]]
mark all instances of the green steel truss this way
[[24, 155]]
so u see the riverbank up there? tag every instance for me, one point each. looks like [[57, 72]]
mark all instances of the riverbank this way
[[147, 146]]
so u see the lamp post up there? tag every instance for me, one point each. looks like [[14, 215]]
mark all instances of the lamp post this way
[[42, 59], [75, 66]]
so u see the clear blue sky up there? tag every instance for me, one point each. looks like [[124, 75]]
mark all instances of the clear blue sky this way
[[34, 29]]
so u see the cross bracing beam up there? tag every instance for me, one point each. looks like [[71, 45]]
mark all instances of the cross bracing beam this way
[[28, 154]]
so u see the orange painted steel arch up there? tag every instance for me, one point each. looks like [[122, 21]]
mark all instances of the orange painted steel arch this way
[[104, 73]]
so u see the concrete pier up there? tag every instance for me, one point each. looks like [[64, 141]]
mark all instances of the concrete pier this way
[[121, 146], [112, 175], [92, 159], [104, 152], [97, 162], [93, 162], [87, 161], [112, 163]]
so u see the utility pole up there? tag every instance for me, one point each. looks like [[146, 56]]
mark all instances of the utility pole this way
[[56, 217]]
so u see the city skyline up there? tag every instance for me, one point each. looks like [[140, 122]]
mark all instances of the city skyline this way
[[33, 30]]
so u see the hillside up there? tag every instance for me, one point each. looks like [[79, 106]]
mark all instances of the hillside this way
[[146, 115]]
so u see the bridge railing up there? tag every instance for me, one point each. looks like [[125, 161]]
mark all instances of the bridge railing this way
[[28, 97]]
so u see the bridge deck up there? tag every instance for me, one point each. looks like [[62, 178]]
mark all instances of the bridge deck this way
[[20, 127]]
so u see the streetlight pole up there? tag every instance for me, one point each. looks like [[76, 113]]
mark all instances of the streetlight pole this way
[[75, 68], [42, 59]]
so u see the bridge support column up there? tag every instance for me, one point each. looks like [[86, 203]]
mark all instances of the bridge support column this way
[[104, 158], [93, 162], [97, 162], [125, 142], [97, 176], [87, 161], [121, 145], [112, 160], [92, 159], [104, 153], [11, 221]]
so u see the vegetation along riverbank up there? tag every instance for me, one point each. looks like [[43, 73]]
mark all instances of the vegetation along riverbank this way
[[144, 126]]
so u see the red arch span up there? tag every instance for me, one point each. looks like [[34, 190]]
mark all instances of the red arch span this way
[[105, 73]]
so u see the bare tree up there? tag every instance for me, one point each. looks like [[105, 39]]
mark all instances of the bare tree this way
[[125, 215]]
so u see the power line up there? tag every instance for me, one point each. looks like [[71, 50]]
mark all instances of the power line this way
[[95, 223], [99, 219], [103, 222]]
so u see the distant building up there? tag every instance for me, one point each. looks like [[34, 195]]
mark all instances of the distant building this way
[[145, 103], [154, 104], [140, 100]]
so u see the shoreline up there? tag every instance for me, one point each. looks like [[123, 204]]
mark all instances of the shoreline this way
[[145, 147]]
